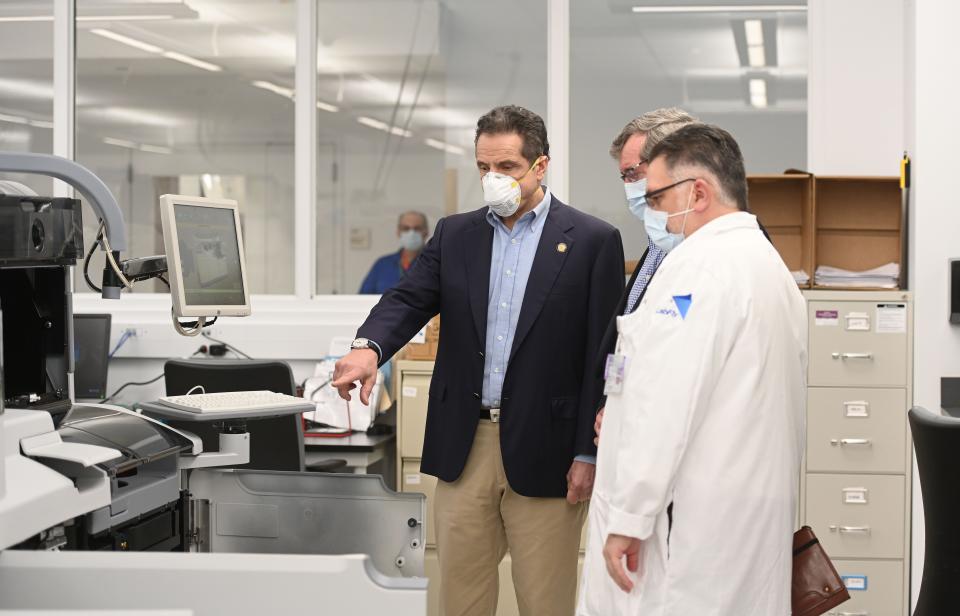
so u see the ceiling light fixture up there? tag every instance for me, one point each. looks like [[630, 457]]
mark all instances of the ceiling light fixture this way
[[756, 57], [126, 40], [123, 143], [444, 147], [155, 149], [13, 119], [758, 93], [289, 93], [377, 124], [102, 10], [179, 57], [272, 87], [728, 8], [753, 33]]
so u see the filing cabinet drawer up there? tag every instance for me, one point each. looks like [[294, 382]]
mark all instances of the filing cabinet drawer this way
[[857, 516], [412, 480], [414, 394], [858, 343], [876, 588], [856, 430]]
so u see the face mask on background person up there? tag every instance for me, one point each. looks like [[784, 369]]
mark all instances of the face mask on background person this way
[[411, 240], [656, 225], [636, 197], [501, 193]]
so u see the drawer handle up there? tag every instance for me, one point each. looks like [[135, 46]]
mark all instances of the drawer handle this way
[[846, 356], [848, 613], [843, 442], [863, 530]]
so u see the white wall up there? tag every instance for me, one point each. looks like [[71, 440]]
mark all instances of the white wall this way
[[298, 332], [935, 223], [854, 89]]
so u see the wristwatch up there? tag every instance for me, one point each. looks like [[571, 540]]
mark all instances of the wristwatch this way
[[363, 343]]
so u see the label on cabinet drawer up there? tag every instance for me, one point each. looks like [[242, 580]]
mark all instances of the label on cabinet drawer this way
[[854, 496], [858, 322], [409, 392], [891, 318], [859, 408], [828, 318], [413, 479], [855, 582]]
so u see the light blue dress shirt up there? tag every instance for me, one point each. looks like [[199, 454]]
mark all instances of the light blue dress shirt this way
[[510, 265]]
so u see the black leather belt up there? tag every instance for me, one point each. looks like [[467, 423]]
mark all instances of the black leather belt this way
[[492, 415]]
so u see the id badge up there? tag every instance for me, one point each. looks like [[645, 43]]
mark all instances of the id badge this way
[[613, 373]]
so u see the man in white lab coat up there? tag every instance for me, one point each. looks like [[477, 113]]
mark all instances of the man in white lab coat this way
[[705, 407]]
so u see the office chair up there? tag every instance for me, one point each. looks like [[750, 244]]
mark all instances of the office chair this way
[[276, 443], [936, 440]]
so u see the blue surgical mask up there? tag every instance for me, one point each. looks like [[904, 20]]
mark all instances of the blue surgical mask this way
[[656, 225], [636, 197]]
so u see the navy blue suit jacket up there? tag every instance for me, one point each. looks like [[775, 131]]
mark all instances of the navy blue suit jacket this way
[[550, 388]]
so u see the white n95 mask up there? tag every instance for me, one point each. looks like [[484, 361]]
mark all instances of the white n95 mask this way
[[501, 193]]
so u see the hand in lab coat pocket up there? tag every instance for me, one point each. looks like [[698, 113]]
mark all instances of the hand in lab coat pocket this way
[[618, 548]]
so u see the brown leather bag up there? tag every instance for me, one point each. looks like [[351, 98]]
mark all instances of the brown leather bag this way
[[817, 586]]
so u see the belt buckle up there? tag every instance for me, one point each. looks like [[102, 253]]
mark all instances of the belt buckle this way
[[495, 415]]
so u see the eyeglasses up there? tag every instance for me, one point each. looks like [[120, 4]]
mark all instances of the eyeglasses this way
[[632, 174], [655, 196]]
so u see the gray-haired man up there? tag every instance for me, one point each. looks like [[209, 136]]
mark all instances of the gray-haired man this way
[[631, 150]]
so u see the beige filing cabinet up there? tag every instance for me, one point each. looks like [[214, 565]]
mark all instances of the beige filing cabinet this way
[[413, 383], [855, 489]]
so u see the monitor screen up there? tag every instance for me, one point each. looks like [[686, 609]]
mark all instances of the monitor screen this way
[[204, 250], [209, 256], [91, 349]]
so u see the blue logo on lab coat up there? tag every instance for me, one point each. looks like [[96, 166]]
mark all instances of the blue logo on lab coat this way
[[683, 304]]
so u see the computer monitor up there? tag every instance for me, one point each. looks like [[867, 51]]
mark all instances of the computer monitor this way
[[205, 262], [91, 350]]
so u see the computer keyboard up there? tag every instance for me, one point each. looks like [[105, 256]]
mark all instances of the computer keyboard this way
[[232, 401]]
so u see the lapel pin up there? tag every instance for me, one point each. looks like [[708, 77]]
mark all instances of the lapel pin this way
[[561, 247]]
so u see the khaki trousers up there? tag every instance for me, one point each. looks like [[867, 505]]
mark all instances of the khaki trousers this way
[[479, 518]]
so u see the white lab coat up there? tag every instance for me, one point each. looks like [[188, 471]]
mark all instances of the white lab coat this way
[[710, 418]]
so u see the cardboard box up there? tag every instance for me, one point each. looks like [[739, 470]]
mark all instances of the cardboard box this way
[[425, 351], [784, 206], [858, 222]]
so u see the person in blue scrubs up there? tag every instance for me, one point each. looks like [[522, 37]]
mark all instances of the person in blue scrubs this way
[[389, 269]]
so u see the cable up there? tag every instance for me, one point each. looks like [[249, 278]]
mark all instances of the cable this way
[[86, 261], [187, 329], [113, 262], [229, 346], [133, 383], [195, 387], [123, 338], [125, 385]]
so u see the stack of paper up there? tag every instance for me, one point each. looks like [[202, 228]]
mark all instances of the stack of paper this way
[[884, 277], [801, 277]]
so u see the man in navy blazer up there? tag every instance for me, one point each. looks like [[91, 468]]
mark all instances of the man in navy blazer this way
[[525, 287]]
